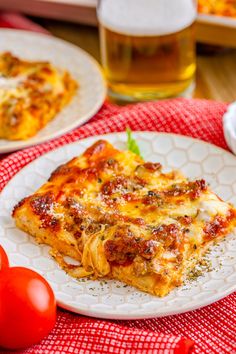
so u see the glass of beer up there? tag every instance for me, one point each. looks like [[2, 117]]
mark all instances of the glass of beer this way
[[147, 47]]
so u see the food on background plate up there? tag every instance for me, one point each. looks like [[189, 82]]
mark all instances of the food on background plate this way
[[31, 95], [123, 218], [218, 7]]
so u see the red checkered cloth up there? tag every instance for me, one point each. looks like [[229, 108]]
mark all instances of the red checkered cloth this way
[[212, 328], [16, 20]]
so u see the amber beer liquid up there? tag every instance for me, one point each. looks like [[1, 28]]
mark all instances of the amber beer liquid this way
[[147, 47]]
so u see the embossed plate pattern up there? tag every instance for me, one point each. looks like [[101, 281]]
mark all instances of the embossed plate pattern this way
[[112, 299], [84, 69]]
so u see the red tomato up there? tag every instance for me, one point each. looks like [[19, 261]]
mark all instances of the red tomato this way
[[4, 263], [27, 308]]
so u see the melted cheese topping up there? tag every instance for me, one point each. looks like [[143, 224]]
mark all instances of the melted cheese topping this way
[[124, 218], [218, 7], [31, 94]]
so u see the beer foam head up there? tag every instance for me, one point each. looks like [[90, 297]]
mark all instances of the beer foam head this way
[[147, 17]]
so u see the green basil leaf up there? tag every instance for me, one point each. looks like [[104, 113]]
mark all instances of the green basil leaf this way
[[131, 143]]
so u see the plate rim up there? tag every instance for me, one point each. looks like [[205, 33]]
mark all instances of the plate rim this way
[[22, 144], [219, 20], [230, 153], [147, 314], [44, 154]]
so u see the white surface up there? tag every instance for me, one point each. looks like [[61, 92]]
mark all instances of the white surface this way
[[217, 20], [229, 126], [83, 68], [113, 300], [142, 17]]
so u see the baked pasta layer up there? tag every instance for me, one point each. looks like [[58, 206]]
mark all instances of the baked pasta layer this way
[[218, 7], [123, 218], [31, 94]]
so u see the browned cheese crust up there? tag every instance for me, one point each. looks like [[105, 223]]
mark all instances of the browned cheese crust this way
[[125, 219]]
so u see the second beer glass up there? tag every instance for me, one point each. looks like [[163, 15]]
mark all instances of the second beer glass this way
[[147, 47]]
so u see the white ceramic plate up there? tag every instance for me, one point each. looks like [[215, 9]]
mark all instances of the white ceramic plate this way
[[112, 299], [84, 69], [229, 126], [217, 20]]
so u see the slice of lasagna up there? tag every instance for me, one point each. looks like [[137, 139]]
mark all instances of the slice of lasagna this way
[[31, 94], [218, 7], [123, 218]]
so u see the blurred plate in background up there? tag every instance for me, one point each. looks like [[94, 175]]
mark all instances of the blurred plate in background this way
[[217, 30], [83, 68], [211, 29]]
